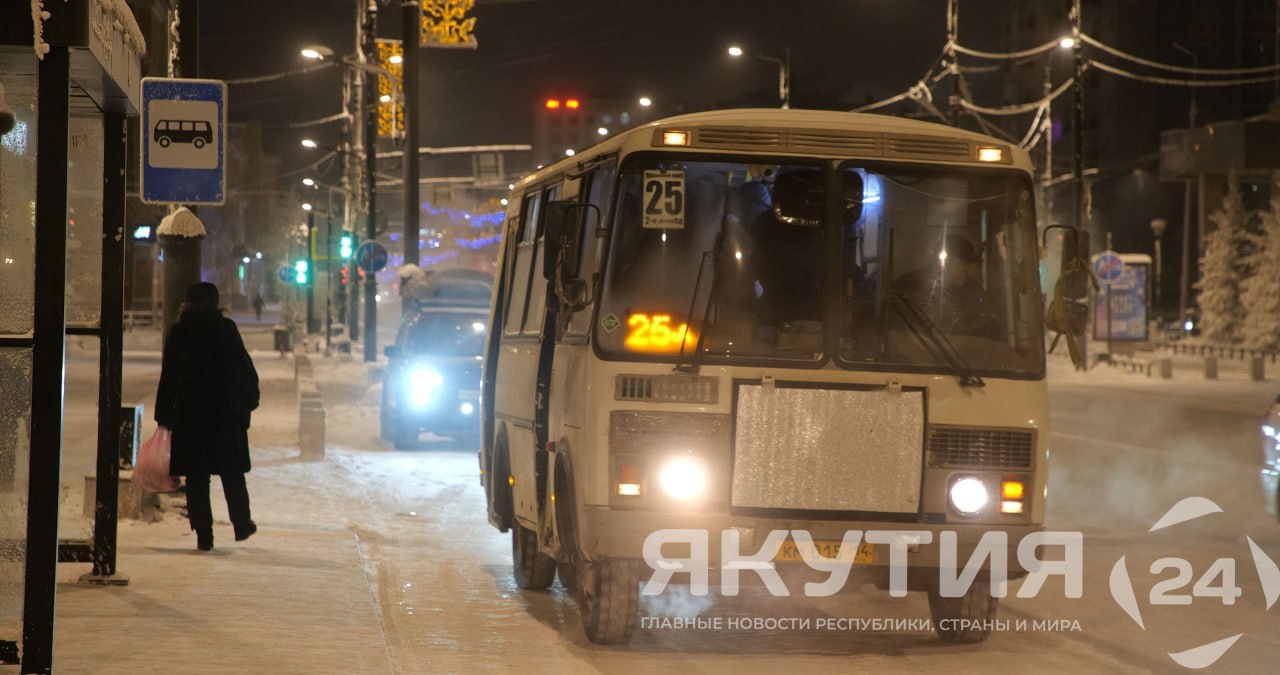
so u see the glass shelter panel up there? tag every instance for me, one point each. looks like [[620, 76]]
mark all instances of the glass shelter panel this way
[[18, 209], [84, 221], [15, 453]]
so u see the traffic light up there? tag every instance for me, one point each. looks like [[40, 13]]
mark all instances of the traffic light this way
[[346, 245], [301, 267]]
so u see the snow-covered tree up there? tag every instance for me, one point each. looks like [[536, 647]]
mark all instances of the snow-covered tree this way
[[1260, 293], [1223, 270]]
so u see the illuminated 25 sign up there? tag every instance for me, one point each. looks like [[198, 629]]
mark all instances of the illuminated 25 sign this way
[[654, 333]]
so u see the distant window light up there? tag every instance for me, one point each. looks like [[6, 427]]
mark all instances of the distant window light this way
[[606, 119], [624, 118]]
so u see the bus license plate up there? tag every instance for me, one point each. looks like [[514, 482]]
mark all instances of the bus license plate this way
[[790, 552]]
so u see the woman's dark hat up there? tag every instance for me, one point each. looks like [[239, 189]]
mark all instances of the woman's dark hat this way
[[203, 293]]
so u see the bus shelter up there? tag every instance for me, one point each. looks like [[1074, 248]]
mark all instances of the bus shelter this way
[[70, 72]]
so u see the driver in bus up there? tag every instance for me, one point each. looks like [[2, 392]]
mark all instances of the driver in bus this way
[[948, 288]]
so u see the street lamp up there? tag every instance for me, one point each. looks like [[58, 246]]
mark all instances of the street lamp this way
[[1185, 272], [784, 70], [645, 101]]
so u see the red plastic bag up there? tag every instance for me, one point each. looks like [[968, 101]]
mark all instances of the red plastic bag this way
[[151, 471]]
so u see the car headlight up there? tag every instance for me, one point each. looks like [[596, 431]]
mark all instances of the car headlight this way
[[969, 495], [423, 384], [683, 479]]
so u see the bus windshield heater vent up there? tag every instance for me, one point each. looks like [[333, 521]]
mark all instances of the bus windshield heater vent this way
[[925, 146], [976, 446], [725, 137], [836, 142], [666, 388]]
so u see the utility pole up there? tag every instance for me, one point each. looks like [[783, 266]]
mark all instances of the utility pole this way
[[1184, 280], [311, 270], [1077, 123], [371, 182], [411, 19]]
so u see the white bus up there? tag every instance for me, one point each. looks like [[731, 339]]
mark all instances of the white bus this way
[[745, 321]]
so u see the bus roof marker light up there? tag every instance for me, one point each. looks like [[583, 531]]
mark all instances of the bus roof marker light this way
[[572, 104], [675, 138], [990, 154], [553, 104]]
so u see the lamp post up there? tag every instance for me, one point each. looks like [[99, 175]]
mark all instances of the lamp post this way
[[328, 256], [311, 265], [784, 70], [1185, 272], [1157, 228]]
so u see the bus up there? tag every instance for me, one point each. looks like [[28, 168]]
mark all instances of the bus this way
[[742, 322]]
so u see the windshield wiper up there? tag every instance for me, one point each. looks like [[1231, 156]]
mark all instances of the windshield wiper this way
[[925, 329], [714, 255]]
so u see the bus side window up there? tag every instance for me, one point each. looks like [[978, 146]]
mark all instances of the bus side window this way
[[537, 285], [599, 193], [519, 265]]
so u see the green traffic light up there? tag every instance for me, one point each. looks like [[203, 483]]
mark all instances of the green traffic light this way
[[346, 246], [302, 278]]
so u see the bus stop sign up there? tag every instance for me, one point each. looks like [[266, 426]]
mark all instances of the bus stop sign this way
[[184, 141]]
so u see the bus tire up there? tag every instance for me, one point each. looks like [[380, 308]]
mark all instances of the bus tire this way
[[199, 143], [966, 619], [566, 528], [533, 570], [164, 141], [503, 501], [608, 599]]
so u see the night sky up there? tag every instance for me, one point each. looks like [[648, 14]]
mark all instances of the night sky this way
[[671, 50]]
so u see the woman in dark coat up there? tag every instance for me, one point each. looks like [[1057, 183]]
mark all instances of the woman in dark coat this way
[[208, 386]]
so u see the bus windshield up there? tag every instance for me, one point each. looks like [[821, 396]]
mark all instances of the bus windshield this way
[[736, 256]]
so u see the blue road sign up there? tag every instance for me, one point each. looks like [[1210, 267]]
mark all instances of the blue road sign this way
[[1107, 266], [184, 141], [371, 256], [288, 274]]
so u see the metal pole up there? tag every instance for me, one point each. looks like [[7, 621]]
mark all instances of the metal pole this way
[[328, 273], [1184, 281], [106, 498], [311, 270], [1077, 123], [411, 21], [785, 78], [47, 357], [371, 164]]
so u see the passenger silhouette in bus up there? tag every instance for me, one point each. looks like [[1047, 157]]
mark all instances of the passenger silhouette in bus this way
[[788, 237]]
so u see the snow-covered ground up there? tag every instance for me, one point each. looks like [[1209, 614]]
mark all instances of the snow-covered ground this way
[[381, 561]]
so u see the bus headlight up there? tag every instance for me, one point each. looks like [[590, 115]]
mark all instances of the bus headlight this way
[[969, 495], [423, 383], [683, 479]]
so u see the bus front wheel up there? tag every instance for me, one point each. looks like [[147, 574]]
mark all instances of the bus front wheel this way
[[608, 598], [966, 619], [532, 569]]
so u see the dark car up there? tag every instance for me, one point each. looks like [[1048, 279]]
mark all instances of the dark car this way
[[432, 380]]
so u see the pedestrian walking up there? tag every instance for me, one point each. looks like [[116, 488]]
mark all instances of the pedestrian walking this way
[[258, 305], [208, 388]]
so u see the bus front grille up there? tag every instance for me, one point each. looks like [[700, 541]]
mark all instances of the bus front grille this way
[[978, 446], [666, 388]]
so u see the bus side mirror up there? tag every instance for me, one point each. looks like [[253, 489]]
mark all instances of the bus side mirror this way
[[561, 230], [1074, 275]]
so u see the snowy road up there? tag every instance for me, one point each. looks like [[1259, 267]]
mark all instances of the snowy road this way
[[1121, 456], [1123, 452]]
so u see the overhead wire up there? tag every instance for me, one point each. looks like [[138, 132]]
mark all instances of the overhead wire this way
[[1212, 72], [1152, 79]]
